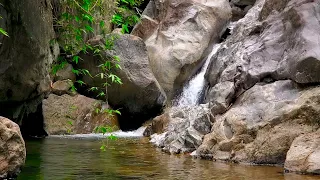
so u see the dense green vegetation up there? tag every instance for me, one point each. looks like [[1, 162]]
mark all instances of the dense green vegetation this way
[[82, 19], [79, 21]]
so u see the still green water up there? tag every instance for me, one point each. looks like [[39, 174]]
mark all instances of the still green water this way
[[130, 158]]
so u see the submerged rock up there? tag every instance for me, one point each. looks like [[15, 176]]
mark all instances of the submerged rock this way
[[262, 123], [304, 154], [183, 128], [12, 149], [140, 97], [177, 33], [75, 115]]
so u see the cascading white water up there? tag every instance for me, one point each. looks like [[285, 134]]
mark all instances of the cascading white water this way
[[120, 134], [191, 93]]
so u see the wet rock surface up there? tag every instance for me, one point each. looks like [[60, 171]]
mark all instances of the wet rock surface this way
[[183, 127]]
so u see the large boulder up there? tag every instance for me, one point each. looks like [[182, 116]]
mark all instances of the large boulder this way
[[304, 154], [182, 129], [177, 33], [140, 97], [26, 56], [12, 149], [262, 123], [276, 40], [75, 115]]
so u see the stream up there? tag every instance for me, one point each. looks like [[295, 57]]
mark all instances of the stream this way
[[79, 158]]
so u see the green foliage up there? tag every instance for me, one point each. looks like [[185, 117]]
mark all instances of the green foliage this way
[[127, 14], [110, 112], [104, 130], [78, 21], [69, 127], [76, 24], [2, 31]]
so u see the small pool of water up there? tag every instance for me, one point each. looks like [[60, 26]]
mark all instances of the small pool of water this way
[[130, 158]]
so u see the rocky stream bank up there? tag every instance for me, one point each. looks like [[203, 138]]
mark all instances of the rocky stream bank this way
[[260, 98]]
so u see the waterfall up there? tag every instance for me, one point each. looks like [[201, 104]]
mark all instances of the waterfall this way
[[191, 93]]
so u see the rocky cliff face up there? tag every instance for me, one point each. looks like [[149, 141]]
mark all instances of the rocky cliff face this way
[[274, 41], [25, 56], [263, 91]]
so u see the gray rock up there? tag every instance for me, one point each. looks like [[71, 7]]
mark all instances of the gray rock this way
[[262, 123], [26, 56], [12, 149], [276, 40], [219, 97], [183, 129], [140, 97], [304, 154], [177, 34]]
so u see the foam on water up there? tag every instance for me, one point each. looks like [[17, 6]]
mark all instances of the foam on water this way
[[121, 134]]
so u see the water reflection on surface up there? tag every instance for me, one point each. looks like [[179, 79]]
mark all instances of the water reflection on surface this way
[[73, 159]]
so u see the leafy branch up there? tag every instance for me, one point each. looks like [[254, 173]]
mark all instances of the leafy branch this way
[[78, 21]]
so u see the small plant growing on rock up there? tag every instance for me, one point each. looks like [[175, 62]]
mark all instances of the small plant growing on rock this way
[[2, 31], [69, 127]]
